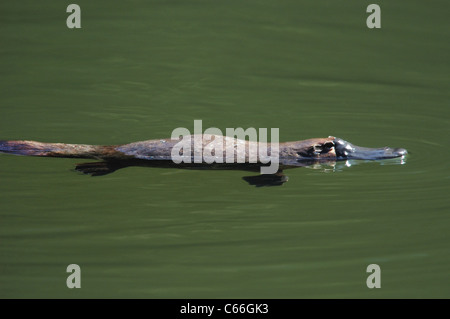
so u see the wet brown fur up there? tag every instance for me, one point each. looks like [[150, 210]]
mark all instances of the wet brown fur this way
[[161, 149]]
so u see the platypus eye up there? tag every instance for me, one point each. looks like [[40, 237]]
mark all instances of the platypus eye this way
[[323, 148], [316, 149]]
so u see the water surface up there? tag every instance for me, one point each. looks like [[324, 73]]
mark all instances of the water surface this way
[[138, 69]]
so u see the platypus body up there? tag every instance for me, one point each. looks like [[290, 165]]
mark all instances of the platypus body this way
[[159, 153]]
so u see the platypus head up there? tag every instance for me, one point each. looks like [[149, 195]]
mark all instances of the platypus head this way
[[333, 148], [346, 150]]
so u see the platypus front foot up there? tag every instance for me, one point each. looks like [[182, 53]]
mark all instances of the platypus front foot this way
[[277, 179]]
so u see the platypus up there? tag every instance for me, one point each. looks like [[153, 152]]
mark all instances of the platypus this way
[[158, 153]]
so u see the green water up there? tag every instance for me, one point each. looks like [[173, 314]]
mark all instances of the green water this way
[[138, 69]]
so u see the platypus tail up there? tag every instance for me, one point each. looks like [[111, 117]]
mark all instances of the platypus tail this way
[[32, 148]]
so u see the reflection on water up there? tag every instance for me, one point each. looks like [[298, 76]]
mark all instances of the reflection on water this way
[[342, 165]]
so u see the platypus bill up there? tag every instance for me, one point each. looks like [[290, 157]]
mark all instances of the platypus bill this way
[[157, 153]]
